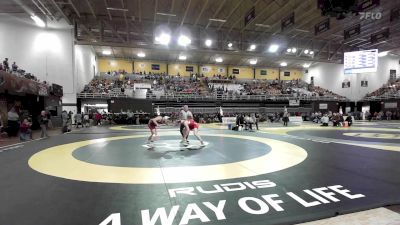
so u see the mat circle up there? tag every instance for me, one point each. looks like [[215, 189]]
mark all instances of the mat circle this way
[[58, 161], [167, 152]]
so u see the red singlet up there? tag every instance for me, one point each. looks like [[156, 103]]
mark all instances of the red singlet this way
[[192, 124]]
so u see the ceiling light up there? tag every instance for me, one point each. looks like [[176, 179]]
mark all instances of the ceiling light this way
[[165, 14], [311, 52], [283, 64], [305, 65], [253, 61], [306, 51], [289, 50], [184, 40], [294, 50], [141, 54], [182, 57], [230, 44], [381, 54], [163, 39], [301, 30], [218, 20], [117, 9], [263, 25], [219, 59], [208, 42], [273, 48], [38, 21], [252, 47], [106, 52]]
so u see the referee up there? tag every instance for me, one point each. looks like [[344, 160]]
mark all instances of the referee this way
[[183, 116]]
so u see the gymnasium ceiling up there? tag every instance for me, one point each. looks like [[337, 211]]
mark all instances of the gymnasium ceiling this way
[[127, 27]]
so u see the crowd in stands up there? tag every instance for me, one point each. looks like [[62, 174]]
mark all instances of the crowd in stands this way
[[5, 66], [391, 88], [198, 84], [296, 88]]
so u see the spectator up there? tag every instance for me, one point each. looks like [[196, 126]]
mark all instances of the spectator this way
[[325, 120], [43, 121], [25, 132], [86, 120], [349, 120], [13, 122], [64, 117], [14, 67], [98, 118], [78, 120], [6, 67], [285, 117]]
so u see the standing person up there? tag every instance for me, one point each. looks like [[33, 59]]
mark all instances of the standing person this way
[[285, 117], [183, 116], [13, 122], [43, 121], [64, 117], [14, 67], [6, 66], [255, 118], [98, 118], [153, 124], [191, 125]]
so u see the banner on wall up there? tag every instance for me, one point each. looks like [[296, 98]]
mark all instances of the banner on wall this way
[[189, 68], [155, 67], [323, 105], [141, 65], [263, 72], [221, 70], [322, 26], [294, 102], [364, 83], [235, 71], [286, 73], [352, 31], [346, 84], [390, 105], [205, 69], [287, 21]]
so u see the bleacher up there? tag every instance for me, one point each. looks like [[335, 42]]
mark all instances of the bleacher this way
[[167, 87]]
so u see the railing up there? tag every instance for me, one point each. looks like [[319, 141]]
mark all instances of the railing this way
[[245, 97], [216, 97], [100, 95], [383, 97]]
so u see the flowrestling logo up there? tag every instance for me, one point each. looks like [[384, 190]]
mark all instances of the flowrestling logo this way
[[370, 15]]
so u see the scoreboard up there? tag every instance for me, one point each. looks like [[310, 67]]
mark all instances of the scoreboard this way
[[361, 61]]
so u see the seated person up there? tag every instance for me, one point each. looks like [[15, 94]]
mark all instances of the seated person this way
[[349, 120], [248, 121], [325, 120], [86, 120], [78, 120], [239, 121], [335, 119], [25, 132]]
